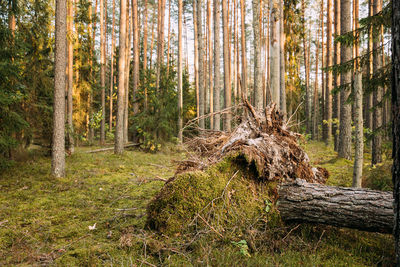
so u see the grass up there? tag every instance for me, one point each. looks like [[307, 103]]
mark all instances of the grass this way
[[45, 221]]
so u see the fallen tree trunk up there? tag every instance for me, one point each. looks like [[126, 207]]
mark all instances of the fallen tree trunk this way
[[356, 208]]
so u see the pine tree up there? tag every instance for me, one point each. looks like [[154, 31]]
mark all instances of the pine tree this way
[[258, 93], [60, 65], [119, 129], [227, 79], [217, 64], [180, 93], [345, 110]]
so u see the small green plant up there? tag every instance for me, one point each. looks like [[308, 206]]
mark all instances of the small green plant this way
[[244, 248]]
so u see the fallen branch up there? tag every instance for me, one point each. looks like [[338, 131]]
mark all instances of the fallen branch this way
[[110, 148]]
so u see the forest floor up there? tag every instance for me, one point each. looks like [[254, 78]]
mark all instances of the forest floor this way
[[96, 216]]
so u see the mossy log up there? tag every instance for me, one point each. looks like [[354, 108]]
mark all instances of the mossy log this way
[[357, 208]]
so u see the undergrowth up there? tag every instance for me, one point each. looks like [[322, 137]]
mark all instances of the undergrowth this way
[[46, 221]]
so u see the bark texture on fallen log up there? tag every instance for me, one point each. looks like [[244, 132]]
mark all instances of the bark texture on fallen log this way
[[357, 208]]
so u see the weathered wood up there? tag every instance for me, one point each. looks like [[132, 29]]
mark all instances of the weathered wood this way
[[357, 208]]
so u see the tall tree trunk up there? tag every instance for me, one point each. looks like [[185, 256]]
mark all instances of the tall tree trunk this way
[[327, 125], [368, 113], [169, 34], [396, 122], [306, 70], [145, 52], [314, 133], [258, 93], [136, 51], [152, 44], [119, 129], [91, 97], [359, 140], [102, 72], [243, 41], [322, 107], [160, 40], [345, 109], [235, 52], [227, 78], [275, 58], [217, 64], [201, 63], [60, 65], [377, 95], [112, 67], [70, 71], [282, 62], [358, 116], [210, 64], [180, 93], [336, 79], [196, 58], [127, 71]]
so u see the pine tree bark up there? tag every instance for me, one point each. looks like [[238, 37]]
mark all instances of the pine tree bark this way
[[119, 129], [314, 133], [160, 40], [243, 44], [362, 209], [282, 41], [136, 52], [327, 125], [70, 71], [345, 108], [60, 65], [275, 57], [217, 63], [102, 72], [127, 70], [210, 64], [368, 100], [227, 79], [196, 58], [169, 35], [396, 122], [112, 67], [180, 52], [377, 94], [145, 51], [258, 93], [336, 78], [306, 69], [359, 136], [201, 80]]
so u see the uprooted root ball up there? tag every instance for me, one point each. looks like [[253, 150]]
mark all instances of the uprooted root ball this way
[[230, 183]]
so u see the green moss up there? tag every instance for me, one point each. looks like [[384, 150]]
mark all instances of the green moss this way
[[226, 193]]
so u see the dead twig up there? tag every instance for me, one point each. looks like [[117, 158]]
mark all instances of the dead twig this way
[[212, 228], [290, 232]]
